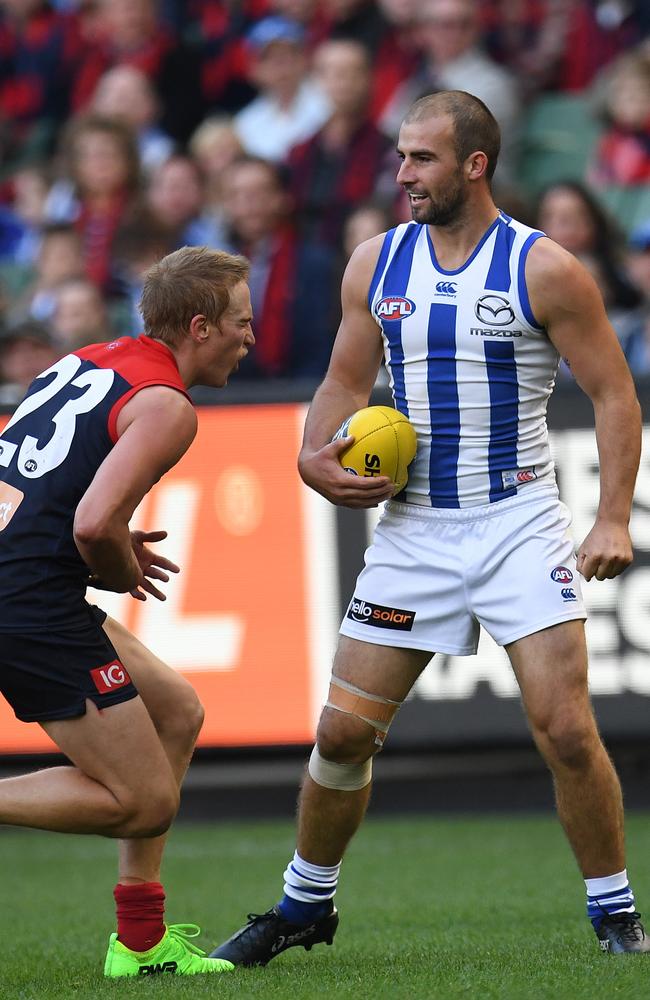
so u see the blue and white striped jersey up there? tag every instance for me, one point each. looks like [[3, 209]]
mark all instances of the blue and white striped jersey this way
[[467, 363]]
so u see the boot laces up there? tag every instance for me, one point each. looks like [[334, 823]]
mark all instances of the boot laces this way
[[183, 933], [628, 926]]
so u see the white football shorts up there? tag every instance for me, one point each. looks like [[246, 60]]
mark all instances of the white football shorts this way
[[433, 576]]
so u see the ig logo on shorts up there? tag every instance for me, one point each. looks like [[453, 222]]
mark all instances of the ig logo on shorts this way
[[110, 677]]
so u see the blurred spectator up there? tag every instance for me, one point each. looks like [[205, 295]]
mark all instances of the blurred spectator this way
[[139, 244], [125, 92], [638, 260], [20, 221], [396, 53], [217, 32], [309, 14], [623, 153], [59, 259], [133, 32], [636, 343], [30, 187], [214, 146], [291, 281], [175, 198], [12, 234], [367, 220], [101, 187], [291, 107], [558, 44], [569, 214], [80, 316], [529, 38], [26, 350], [358, 19], [598, 31], [40, 50], [340, 165], [449, 34]]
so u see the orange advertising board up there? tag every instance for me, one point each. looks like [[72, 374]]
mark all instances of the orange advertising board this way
[[251, 619]]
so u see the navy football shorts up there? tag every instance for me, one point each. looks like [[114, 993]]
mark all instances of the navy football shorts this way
[[49, 675]]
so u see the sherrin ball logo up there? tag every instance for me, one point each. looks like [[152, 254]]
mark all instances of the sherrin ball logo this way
[[394, 307], [384, 444]]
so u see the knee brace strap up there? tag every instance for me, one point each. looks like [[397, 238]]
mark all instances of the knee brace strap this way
[[342, 777], [378, 712]]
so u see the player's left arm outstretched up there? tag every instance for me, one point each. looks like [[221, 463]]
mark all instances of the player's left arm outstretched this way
[[565, 299]]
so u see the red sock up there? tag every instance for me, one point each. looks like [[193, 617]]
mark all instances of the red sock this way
[[140, 914]]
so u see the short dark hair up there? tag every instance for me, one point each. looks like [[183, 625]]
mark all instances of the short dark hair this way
[[278, 172], [475, 127], [188, 282], [59, 229]]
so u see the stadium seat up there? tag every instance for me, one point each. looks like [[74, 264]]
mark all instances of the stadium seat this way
[[630, 205], [557, 139]]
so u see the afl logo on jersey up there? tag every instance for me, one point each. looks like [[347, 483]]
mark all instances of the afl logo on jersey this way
[[394, 307], [495, 310]]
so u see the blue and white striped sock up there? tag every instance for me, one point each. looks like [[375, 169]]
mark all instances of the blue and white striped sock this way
[[308, 890], [611, 894]]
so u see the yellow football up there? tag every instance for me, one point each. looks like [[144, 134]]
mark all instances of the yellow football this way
[[384, 444]]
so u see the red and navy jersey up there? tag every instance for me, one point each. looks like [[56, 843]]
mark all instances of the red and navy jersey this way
[[49, 453]]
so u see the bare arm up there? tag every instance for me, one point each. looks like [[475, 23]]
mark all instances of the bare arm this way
[[156, 428], [566, 300], [347, 385]]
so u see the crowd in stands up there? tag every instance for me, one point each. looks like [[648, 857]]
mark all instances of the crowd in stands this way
[[129, 128]]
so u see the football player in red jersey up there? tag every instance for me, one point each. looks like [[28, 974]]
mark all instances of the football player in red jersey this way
[[90, 439]]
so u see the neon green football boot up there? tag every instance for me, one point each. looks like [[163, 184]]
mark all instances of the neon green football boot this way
[[174, 954]]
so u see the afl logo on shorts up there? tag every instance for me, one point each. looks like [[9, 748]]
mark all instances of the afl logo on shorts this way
[[561, 575], [394, 307], [110, 677]]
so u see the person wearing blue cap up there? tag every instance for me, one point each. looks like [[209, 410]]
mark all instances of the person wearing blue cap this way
[[290, 106]]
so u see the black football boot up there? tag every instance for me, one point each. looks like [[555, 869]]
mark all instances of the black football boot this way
[[268, 934], [621, 933]]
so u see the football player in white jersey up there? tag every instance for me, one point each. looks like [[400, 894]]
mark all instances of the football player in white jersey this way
[[480, 537]]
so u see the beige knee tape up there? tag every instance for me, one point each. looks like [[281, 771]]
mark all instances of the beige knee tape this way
[[378, 712], [342, 777]]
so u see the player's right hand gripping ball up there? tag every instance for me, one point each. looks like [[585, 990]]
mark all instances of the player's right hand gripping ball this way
[[384, 444]]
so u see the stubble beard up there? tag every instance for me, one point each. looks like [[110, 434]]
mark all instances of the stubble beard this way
[[444, 212]]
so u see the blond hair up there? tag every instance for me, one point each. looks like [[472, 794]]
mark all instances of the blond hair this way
[[188, 282]]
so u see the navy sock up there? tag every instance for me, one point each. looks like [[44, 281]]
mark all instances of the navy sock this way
[[609, 895], [297, 912]]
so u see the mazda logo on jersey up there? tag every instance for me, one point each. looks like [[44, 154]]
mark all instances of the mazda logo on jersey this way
[[394, 307], [446, 288], [495, 310]]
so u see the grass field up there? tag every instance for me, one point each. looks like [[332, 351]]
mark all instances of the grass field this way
[[430, 908]]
